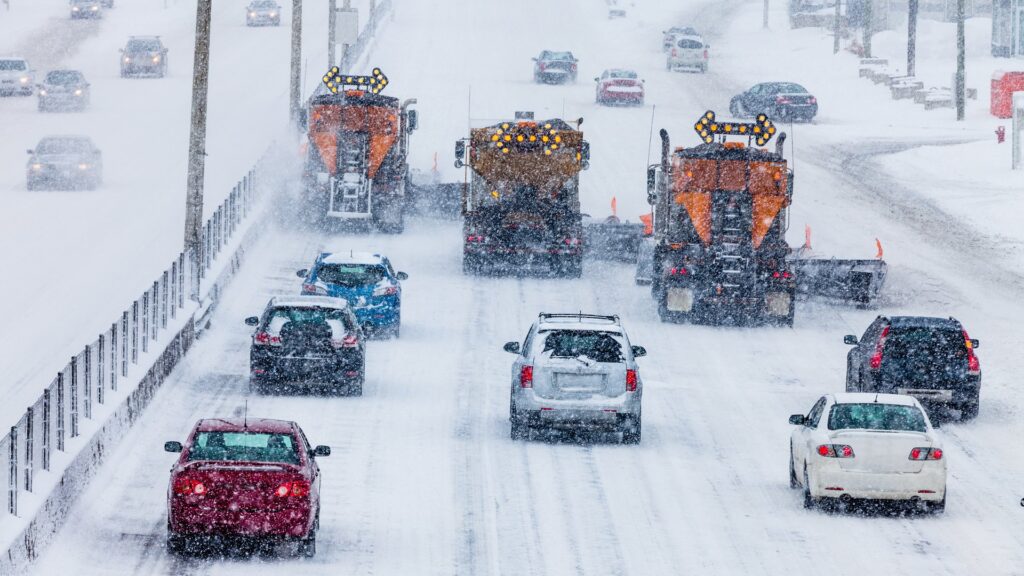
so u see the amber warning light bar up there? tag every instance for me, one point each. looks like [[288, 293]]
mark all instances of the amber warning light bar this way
[[761, 131], [373, 83]]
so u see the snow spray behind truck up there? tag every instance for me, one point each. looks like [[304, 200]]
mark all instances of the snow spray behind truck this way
[[521, 205]]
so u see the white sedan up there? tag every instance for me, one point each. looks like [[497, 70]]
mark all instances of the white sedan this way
[[867, 446]]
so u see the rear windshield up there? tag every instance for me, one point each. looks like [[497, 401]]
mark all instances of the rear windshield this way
[[690, 44], [244, 447], [787, 88], [62, 146], [928, 344], [350, 275], [597, 346], [338, 320], [622, 74], [12, 65], [889, 417], [558, 56], [144, 45], [63, 77]]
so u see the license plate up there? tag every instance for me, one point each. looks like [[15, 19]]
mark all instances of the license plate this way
[[679, 299]]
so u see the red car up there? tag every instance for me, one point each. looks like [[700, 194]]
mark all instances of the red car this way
[[247, 478], [619, 87]]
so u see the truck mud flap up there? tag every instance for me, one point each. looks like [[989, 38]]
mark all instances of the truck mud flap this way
[[856, 281], [612, 241]]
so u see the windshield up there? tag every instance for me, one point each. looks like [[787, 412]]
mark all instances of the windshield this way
[[244, 447], [12, 65], [62, 146], [888, 417], [63, 77], [598, 346], [144, 46], [338, 320], [351, 275]]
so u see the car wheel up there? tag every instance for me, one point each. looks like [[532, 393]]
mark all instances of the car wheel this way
[[809, 501], [632, 430], [850, 385], [519, 429], [176, 544], [969, 410], [794, 482], [307, 548], [703, 68], [937, 507], [668, 65], [355, 388]]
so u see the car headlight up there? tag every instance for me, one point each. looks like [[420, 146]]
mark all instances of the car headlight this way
[[42, 92], [272, 14], [77, 92], [83, 166], [24, 79], [156, 59], [95, 8], [37, 166], [127, 59], [252, 14], [75, 9]]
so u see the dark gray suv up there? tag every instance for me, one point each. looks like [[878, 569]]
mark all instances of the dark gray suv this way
[[144, 56]]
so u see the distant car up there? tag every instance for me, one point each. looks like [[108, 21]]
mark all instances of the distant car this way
[[64, 162], [369, 283], [781, 101], [263, 13], [63, 90], [552, 67], [688, 52], [931, 359], [107, 3], [614, 13], [668, 37], [304, 340], [144, 56], [86, 9], [576, 371], [616, 86], [250, 478], [867, 446], [16, 77]]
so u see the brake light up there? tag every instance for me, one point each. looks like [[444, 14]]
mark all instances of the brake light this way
[[674, 53], [296, 488], [835, 451], [189, 487], [705, 54], [476, 238], [349, 341], [926, 454], [782, 100], [973, 365], [876, 358], [541, 66], [572, 241], [680, 271], [526, 377], [385, 290], [630, 380], [310, 288], [812, 100], [786, 274], [265, 339]]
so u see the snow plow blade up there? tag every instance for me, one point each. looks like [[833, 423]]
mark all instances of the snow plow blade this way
[[611, 240], [856, 281]]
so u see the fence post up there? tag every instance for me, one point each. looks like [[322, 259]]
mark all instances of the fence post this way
[[28, 449], [47, 411], [154, 321], [74, 396], [87, 382], [164, 297], [135, 332], [145, 321], [174, 289], [99, 369], [12, 469], [181, 280], [60, 411]]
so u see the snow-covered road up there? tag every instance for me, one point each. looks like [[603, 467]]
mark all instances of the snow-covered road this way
[[424, 478]]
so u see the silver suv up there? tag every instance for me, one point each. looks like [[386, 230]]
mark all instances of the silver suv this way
[[576, 371]]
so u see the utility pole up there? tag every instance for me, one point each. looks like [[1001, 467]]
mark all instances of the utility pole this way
[[960, 89], [835, 28], [911, 37], [765, 23], [197, 146], [332, 31], [296, 68], [346, 6], [869, 26]]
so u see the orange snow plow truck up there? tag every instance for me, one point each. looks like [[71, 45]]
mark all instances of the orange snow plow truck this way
[[356, 157]]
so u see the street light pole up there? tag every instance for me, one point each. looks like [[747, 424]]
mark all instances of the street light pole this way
[[960, 89], [765, 23], [835, 28], [197, 146], [296, 66], [869, 26], [332, 31], [911, 37], [346, 6]]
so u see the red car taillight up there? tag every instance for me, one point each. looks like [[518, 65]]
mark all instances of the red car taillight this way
[[349, 341], [812, 100], [876, 358], [674, 53], [630, 380], [705, 54], [572, 241], [973, 365], [926, 454], [296, 488], [385, 291], [835, 451], [189, 486], [476, 238], [785, 274], [265, 339], [680, 271], [782, 100], [526, 377]]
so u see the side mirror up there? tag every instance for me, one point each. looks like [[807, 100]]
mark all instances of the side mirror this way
[[512, 347], [252, 321], [321, 451], [798, 419], [413, 120], [173, 446], [639, 351], [850, 339], [596, 79], [975, 343], [302, 273], [402, 276]]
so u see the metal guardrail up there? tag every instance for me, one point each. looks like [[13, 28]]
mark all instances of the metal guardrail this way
[[56, 418]]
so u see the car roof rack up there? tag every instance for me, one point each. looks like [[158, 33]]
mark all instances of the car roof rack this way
[[579, 316]]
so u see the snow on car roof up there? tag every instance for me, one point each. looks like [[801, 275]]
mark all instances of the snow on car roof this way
[[870, 397], [245, 424], [309, 302], [351, 258]]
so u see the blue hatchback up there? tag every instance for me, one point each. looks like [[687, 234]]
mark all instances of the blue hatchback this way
[[367, 281]]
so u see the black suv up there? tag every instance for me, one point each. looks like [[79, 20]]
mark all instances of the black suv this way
[[307, 339], [932, 359], [144, 55]]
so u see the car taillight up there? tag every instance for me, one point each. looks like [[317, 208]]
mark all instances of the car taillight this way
[[926, 454], [674, 53], [786, 274], [705, 54], [476, 238], [680, 271], [309, 288], [630, 380], [385, 290], [876, 358], [572, 241], [265, 339], [541, 66], [973, 365], [189, 486], [349, 341], [782, 100], [812, 100], [526, 377], [835, 451], [297, 488]]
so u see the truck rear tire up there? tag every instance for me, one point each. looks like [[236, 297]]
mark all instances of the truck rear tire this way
[[568, 266]]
